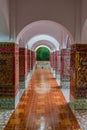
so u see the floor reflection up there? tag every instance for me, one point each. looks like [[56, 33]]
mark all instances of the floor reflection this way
[[42, 106], [43, 89]]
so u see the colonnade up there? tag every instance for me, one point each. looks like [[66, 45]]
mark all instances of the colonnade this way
[[17, 65], [70, 68], [60, 64], [27, 60]]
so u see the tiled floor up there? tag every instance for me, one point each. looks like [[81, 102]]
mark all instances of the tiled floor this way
[[43, 106], [81, 115], [4, 117]]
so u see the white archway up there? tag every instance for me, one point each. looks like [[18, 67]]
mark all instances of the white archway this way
[[42, 46], [43, 43], [56, 32], [39, 38]]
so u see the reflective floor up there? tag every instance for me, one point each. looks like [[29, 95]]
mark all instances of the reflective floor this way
[[42, 106]]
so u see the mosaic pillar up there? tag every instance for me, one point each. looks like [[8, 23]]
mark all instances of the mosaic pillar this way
[[54, 61], [9, 75], [28, 61], [32, 60], [65, 68], [78, 76], [22, 67], [57, 62], [51, 59]]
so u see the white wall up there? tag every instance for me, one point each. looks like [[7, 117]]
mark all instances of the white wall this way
[[4, 20], [61, 11], [84, 11], [84, 22], [23, 12]]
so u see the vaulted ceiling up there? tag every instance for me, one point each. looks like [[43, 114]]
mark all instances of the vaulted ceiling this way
[[45, 32], [53, 23]]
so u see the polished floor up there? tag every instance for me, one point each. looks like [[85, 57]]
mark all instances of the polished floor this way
[[42, 106]]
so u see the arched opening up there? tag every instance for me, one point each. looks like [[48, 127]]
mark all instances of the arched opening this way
[[39, 38], [44, 33], [42, 54], [45, 27], [42, 57]]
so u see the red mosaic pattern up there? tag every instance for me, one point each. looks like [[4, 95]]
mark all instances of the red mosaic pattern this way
[[9, 68], [22, 63], [57, 61], [79, 71], [32, 59], [65, 65], [28, 60]]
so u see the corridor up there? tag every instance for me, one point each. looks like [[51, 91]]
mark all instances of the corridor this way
[[42, 106]]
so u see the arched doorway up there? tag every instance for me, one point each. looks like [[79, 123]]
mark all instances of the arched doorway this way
[[42, 54], [45, 33], [47, 28], [42, 57]]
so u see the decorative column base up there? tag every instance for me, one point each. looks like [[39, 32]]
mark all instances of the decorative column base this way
[[65, 84], [22, 84], [58, 79], [7, 103], [58, 76], [78, 104]]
